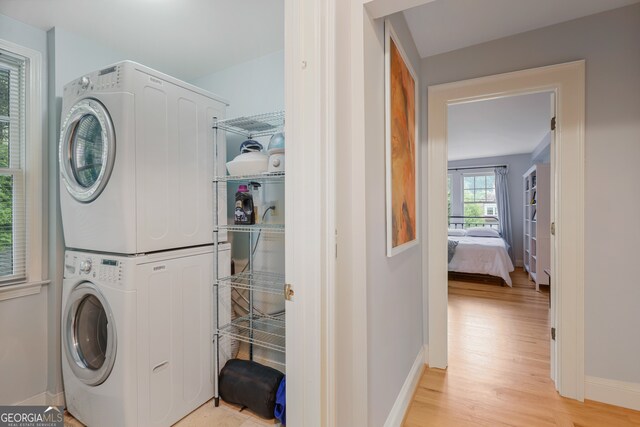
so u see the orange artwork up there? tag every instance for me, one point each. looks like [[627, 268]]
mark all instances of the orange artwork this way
[[403, 150]]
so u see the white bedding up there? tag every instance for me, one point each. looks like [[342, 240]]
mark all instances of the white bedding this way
[[481, 255]]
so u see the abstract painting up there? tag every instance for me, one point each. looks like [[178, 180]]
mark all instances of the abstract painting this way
[[401, 147]]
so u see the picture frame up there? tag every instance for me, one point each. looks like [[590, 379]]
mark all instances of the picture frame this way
[[401, 146]]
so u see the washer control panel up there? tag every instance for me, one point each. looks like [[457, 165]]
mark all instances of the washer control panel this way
[[99, 268]]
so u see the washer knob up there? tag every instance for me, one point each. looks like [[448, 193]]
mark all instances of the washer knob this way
[[84, 82], [85, 266]]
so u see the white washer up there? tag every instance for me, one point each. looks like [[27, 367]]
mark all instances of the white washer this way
[[137, 335], [136, 161]]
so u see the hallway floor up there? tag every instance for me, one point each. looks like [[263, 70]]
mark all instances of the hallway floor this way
[[498, 372]]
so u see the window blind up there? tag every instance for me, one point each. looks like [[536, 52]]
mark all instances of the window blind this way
[[13, 231]]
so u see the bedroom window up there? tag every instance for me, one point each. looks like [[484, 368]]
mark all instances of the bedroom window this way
[[479, 198]]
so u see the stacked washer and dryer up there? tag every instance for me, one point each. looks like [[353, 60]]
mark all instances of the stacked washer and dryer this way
[[136, 171]]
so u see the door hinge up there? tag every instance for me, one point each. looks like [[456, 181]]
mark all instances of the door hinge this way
[[553, 334], [553, 123], [553, 228], [288, 292]]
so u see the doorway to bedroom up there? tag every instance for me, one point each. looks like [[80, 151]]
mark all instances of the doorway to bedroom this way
[[567, 83], [499, 185]]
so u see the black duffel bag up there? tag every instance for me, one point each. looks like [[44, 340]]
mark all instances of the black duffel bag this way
[[250, 384]]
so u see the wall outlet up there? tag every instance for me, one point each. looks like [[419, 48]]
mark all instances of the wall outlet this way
[[273, 212]]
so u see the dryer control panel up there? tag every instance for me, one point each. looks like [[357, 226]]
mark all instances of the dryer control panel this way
[[99, 268], [106, 79]]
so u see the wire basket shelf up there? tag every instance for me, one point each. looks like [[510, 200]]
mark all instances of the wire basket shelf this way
[[253, 126], [260, 281], [265, 228], [267, 177], [263, 331]]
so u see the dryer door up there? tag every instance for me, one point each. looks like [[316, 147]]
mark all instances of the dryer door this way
[[87, 149], [89, 335]]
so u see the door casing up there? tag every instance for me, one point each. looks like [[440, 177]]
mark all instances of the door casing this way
[[567, 82]]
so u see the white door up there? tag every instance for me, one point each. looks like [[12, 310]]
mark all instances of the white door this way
[[87, 150]]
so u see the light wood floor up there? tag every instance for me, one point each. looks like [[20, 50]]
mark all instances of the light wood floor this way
[[498, 372]]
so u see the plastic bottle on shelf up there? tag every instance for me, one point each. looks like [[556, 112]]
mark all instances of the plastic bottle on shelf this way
[[257, 193], [244, 212]]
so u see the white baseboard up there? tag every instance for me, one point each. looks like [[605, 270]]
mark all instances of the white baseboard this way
[[55, 399], [406, 392], [38, 399], [619, 393], [45, 398], [519, 263]]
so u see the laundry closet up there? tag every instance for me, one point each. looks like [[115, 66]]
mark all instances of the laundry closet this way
[[171, 189]]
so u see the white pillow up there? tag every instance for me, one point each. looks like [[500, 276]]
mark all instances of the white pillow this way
[[482, 232], [457, 232]]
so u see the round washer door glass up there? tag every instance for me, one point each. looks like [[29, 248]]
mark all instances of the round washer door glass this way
[[87, 149], [90, 336]]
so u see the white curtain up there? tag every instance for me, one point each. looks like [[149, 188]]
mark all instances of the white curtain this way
[[504, 210]]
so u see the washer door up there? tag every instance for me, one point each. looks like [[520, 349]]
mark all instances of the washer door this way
[[89, 334], [87, 149]]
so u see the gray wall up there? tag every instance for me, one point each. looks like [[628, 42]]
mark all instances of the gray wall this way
[[542, 153], [518, 165], [255, 87], [609, 43], [394, 289], [23, 321]]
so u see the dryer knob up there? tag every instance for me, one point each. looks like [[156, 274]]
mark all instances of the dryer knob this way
[[84, 82], [85, 266]]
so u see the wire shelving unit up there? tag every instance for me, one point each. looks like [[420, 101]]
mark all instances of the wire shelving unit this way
[[255, 328]]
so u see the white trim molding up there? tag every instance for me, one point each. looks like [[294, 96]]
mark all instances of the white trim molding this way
[[619, 393], [38, 399], [36, 256], [567, 82], [401, 405], [379, 8], [310, 238], [44, 398], [21, 290], [55, 399]]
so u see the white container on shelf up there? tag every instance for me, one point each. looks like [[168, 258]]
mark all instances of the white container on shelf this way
[[251, 163]]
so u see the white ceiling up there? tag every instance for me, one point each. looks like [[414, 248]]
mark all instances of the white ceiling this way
[[498, 127], [185, 38], [445, 25]]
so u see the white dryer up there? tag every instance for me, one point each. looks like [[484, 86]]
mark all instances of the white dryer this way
[[136, 160], [137, 335]]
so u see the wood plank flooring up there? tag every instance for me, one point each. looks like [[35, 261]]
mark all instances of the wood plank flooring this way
[[498, 372]]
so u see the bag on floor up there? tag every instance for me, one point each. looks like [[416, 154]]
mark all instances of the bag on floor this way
[[250, 384]]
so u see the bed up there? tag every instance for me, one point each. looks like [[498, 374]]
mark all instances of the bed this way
[[479, 249]]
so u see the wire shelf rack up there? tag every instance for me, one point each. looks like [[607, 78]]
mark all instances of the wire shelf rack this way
[[253, 126], [263, 331], [260, 281], [267, 177], [265, 228]]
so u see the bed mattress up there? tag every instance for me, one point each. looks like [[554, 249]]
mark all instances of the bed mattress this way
[[481, 255]]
